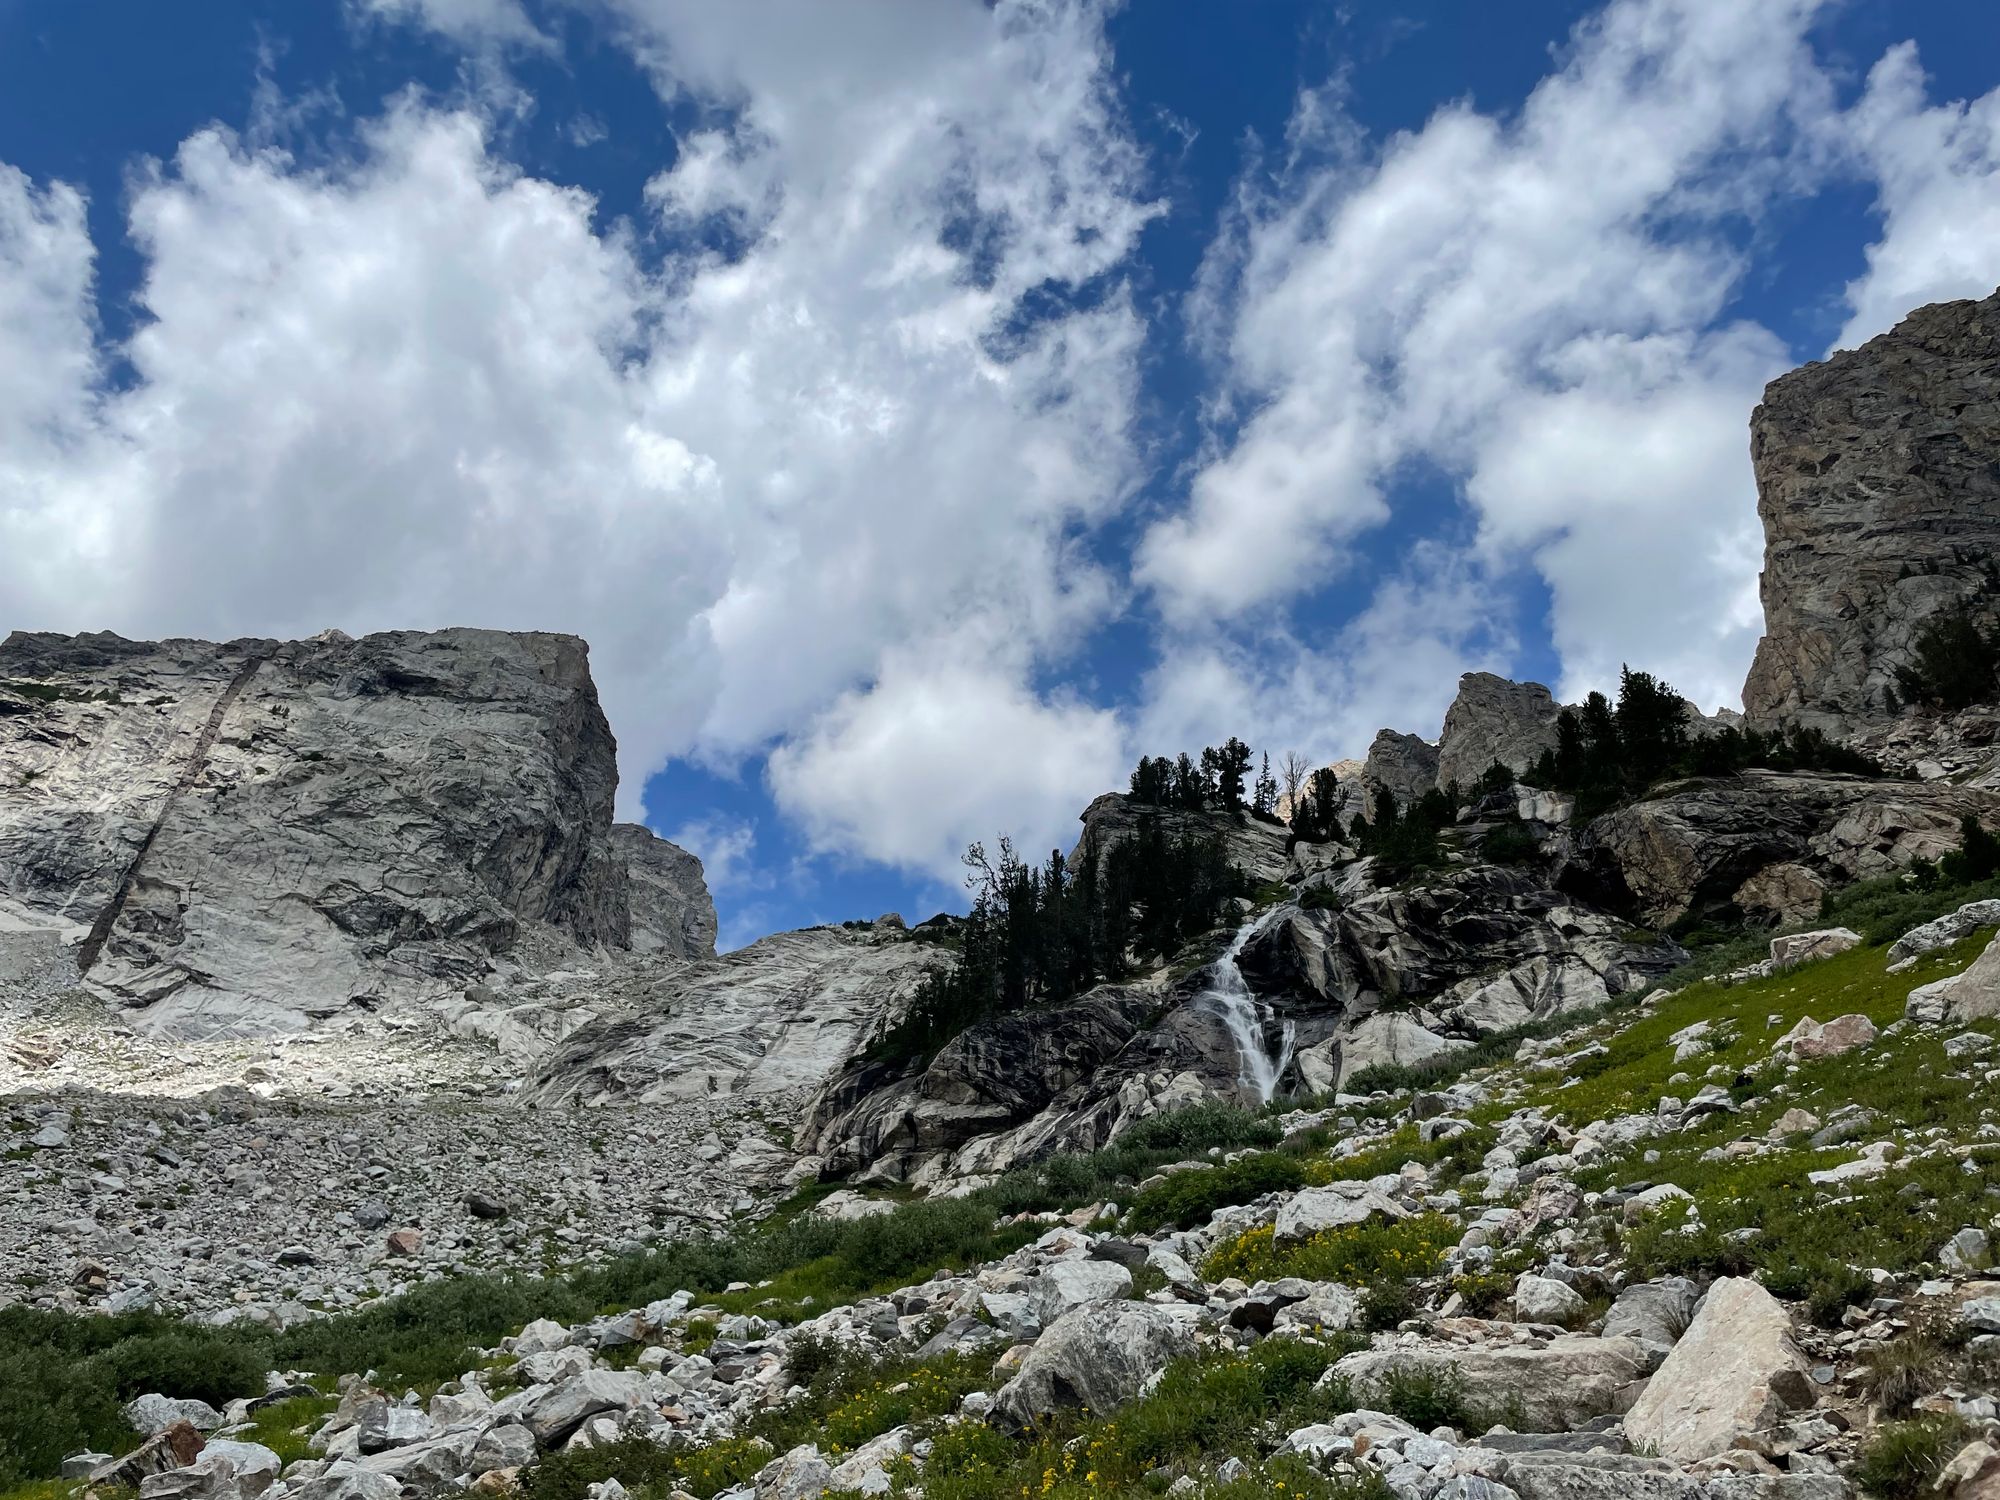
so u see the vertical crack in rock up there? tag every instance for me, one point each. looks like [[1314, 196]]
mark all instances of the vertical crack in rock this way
[[100, 930]]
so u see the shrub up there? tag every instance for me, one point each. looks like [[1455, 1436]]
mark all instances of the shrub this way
[[1186, 1199], [1952, 662], [1385, 1305], [1360, 1255], [1199, 1126], [1897, 1374], [1902, 1458]]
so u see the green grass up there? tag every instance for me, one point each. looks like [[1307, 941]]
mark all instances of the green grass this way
[[1363, 1255], [1204, 1407], [286, 1426], [1902, 1458], [1186, 1199]]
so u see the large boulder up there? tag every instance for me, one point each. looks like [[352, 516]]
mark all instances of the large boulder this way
[[1942, 932], [1097, 1356], [1491, 720], [1548, 1387], [1878, 483], [1728, 1383], [261, 834], [1972, 995], [1338, 1205]]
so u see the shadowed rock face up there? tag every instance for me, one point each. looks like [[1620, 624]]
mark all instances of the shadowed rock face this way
[[1696, 847], [671, 910], [1256, 848], [1878, 483], [259, 833]]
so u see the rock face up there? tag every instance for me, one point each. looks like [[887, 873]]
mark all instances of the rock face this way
[[786, 1012], [258, 834], [1697, 845], [1730, 1380], [1256, 848], [1878, 483], [1403, 764], [1494, 719], [672, 913]]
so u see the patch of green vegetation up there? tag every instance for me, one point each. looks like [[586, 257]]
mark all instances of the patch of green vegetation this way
[[1360, 1255], [1202, 1407], [1902, 1458], [285, 1427], [1186, 1199]]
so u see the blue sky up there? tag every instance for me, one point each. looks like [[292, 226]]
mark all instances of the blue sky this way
[[924, 408]]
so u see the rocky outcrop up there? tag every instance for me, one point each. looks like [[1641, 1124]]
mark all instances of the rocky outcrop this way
[[1696, 846], [1878, 483], [1479, 949], [672, 913], [1494, 719], [1254, 847], [258, 834], [1403, 764], [784, 1013], [1728, 1383]]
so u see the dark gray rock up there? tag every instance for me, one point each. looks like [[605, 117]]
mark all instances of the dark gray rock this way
[[1878, 483]]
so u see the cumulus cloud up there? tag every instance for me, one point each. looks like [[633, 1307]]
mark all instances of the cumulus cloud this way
[[1938, 175], [942, 750], [1536, 304], [422, 387]]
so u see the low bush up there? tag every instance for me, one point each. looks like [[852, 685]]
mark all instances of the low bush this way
[[1361, 1255], [1902, 1458], [1186, 1199]]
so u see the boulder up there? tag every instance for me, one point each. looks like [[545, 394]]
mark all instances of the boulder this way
[[1542, 1299], [1878, 483], [507, 1446], [1097, 1356], [235, 1470], [1809, 1040], [1070, 1283], [1972, 995], [1798, 948], [174, 1447], [563, 1409], [801, 1474], [348, 1481], [1550, 1388], [1656, 1313], [1728, 1383], [1338, 1205], [153, 1413], [1942, 932]]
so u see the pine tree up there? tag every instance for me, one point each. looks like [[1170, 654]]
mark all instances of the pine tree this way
[[1264, 803]]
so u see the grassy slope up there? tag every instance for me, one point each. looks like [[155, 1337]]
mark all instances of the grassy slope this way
[[1805, 1241]]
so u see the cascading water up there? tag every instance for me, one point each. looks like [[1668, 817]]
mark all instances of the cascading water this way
[[1228, 994]]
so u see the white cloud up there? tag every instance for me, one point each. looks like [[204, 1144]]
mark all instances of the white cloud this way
[[475, 23], [1938, 175], [423, 388], [1533, 304], [940, 751], [1396, 664], [727, 849]]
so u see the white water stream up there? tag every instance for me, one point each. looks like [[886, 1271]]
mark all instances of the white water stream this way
[[1259, 1066]]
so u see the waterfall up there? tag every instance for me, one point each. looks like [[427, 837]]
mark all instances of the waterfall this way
[[1228, 994]]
